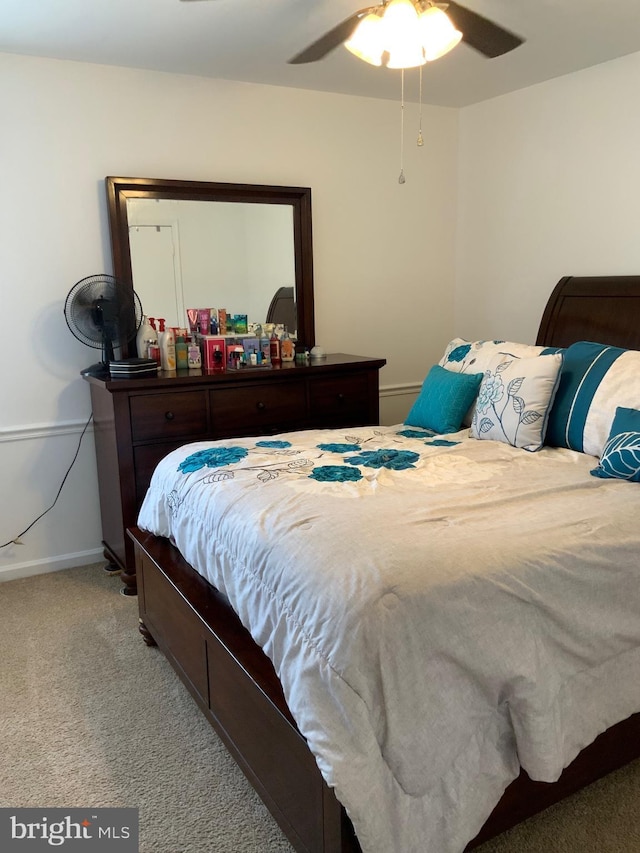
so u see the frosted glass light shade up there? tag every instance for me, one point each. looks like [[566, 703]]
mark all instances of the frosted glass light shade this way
[[437, 33], [400, 16], [402, 36], [367, 41], [407, 55]]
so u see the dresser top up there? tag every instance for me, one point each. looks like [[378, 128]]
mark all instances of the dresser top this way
[[332, 363]]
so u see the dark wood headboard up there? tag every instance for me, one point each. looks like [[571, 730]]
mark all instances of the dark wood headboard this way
[[604, 309]]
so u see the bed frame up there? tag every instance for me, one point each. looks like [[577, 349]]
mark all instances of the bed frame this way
[[235, 684]]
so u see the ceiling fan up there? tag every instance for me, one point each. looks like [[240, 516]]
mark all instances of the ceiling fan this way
[[485, 36]]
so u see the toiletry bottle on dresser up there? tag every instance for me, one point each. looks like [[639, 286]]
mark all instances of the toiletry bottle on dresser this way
[[167, 348], [153, 349], [145, 337], [182, 354], [265, 348], [274, 349], [287, 348], [194, 356]]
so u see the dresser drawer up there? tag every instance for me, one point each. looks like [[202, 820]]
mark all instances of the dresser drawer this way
[[168, 415], [258, 408], [339, 400], [145, 459]]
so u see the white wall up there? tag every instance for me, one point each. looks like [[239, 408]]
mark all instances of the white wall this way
[[383, 253], [548, 186]]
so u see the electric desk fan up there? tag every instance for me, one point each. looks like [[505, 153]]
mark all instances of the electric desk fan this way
[[103, 313]]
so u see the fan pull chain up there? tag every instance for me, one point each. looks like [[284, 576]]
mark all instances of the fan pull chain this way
[[401, 178], [420, 141]]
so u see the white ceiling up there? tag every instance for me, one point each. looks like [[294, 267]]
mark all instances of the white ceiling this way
[[251, 40]]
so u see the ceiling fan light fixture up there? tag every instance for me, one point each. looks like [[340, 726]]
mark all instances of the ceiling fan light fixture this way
[[437, 34], [403, 34], [367, 41]]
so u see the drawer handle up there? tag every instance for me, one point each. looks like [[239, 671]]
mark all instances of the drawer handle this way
[[260, 405], [169, 416]]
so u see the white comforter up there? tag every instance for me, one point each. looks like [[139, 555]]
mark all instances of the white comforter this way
[[437, 621]]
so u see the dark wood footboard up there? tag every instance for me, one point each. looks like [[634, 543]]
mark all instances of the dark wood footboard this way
[[237, 689]]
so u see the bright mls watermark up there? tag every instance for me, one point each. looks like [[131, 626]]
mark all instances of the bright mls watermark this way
[[69, 830]]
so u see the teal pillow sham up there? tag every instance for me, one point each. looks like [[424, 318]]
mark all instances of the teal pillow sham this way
[[444, 400], [620, 458], [592, 378]]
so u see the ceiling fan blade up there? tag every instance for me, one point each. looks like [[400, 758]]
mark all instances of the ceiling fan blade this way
[[329, 41], [480, 33]]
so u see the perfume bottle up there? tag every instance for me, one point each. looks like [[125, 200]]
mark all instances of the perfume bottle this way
[[194, 356]]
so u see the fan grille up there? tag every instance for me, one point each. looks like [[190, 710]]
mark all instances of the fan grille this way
[[102, 312]]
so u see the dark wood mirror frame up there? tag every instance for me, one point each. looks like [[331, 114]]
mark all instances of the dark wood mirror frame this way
[[119, 190]]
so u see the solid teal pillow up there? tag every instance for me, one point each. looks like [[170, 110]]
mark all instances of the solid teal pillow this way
[[620, 458], [444, 400]]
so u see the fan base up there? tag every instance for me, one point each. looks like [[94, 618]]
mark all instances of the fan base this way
[[100, 370]]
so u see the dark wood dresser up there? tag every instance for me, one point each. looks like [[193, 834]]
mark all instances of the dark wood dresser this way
[[138, 421]]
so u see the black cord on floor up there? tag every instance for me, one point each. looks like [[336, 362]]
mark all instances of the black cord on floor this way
[[16, 540]]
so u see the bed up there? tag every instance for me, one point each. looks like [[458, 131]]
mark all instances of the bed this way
[[512, 662]]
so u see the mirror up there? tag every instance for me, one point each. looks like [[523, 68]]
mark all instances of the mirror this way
[[193, 244]]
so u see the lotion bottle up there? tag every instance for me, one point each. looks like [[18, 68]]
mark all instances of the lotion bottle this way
[[274, 349], [145, 337], [182, 354], [287, 348], [265, 349], [167, 348]]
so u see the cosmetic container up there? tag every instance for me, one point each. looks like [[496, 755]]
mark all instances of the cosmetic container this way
[[194, 356], [287, 348], [145, 337], [274, 349], [182, 354], [167, 343]]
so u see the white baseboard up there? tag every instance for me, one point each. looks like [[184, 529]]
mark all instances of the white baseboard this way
[[51, 564]]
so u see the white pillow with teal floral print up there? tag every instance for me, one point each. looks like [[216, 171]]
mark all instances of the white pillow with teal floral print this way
[[514, 399], [462, 356]]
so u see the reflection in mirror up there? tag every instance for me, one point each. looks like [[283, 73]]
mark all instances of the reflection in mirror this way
[[210, 254], [193, 244]]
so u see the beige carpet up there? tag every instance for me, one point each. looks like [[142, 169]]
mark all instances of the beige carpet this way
[[90, 716]]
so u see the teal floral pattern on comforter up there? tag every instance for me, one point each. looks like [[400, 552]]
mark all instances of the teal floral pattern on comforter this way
[[285, 457]]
